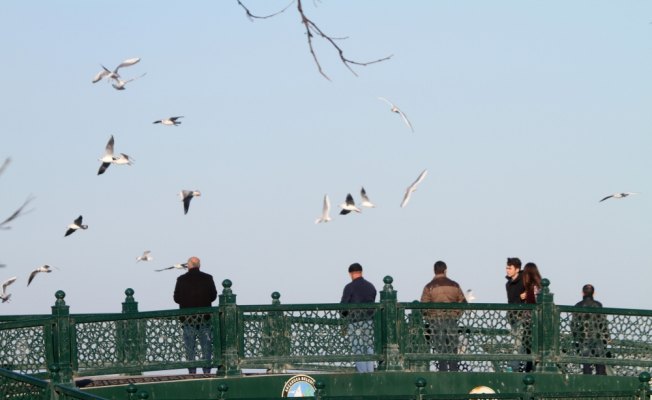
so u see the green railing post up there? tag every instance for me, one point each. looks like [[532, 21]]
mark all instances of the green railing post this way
[[131, 336], [320, 390], [420, 383], [390, 328], [229, 330], [644, 390], [276, 335], [547, 325], [62, 342], [529, 380]]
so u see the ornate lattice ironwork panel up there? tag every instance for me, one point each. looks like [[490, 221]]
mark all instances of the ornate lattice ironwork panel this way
[[19, 390], [23, 349], [454, 333], [621, 337], [308, 333], [96, 344], [166, 338]]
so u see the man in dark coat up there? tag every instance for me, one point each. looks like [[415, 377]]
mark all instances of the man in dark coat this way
[[361, 326], [590, 332], [196, 289], [520, 330]]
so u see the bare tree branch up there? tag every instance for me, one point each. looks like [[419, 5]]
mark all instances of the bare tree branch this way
[[313, 30], [252, 16], [18, 213]]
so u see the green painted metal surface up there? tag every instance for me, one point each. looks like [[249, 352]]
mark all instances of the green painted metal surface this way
[[275, 339]]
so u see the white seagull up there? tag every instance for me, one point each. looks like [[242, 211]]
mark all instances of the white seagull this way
[[45, 268], [145, 257], [4, 295], [618, 196], [175, 266], [120, 84], [325, 211], [365, 199], [348, 205], [169, 121], [186, 196], [108, 158], [399, 112], [413, 187], [469, 296], [106, 73], [77, 224]]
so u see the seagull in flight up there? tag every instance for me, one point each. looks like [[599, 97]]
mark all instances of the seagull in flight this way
[[108, 74], [45, 268], [348, 205], [325, 211], [186, 196], [4, 295], [412, 188], [145, 257], [77, 224], [618, 196], [395, 109], [365, 199], [169, 121], [175, 266], [108, 158], [120, 84]]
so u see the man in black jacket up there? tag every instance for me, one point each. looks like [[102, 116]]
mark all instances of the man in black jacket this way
[[590, 332], [520, 330], [196, 289]]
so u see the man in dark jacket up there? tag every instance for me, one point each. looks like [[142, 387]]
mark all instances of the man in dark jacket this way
[[590, 332], [514, 287], [196, 289], [361, 326]]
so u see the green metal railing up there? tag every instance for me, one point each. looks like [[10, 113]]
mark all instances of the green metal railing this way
[[318, 337]]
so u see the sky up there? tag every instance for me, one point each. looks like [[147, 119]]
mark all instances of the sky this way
[[525, 114]]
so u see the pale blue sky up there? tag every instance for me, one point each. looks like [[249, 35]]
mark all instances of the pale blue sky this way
[[526, 114]]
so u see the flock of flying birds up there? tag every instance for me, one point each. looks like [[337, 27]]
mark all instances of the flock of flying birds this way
[[109, 157]]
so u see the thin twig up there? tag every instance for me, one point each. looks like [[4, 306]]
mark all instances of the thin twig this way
[[19, 212], [252, 16]]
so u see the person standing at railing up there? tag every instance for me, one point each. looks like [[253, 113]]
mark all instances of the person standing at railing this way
[[532, 283], [514, 288], [361, 326], [196, 289], [441, 326], [590, 332]]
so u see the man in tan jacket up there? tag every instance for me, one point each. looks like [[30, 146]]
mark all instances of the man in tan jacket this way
[[441, 325]]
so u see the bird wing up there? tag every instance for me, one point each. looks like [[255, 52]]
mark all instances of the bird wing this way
[[406, 197], [4, 165], [16, 213], [127, 63], [78, 221], [69, 231], [386, 101], [103, 167], [349, 200], [327, 206], [100, 75], [608, 197], [405, 119], [344, 212], [363, 194], [186, 203], [163, 269], [122, 83], [32, 275], [7, 283], [174, 119], [108, 150], [421, 177]]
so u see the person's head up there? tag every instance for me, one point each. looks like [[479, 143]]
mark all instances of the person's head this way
[[193, 262], [355, 270], [588, 290], [440, 268], [513, 267], [531, 276]]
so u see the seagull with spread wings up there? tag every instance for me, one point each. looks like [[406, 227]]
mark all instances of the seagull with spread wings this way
[[108, 158], [175, 266], [4, 296], [45, 268], [147, 256], [348, 205], [621, 195], [172, 121], [325, 211], [108, 74], [396, 110], [412, 188], [120, 84], [365, 199], [77, 224]]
